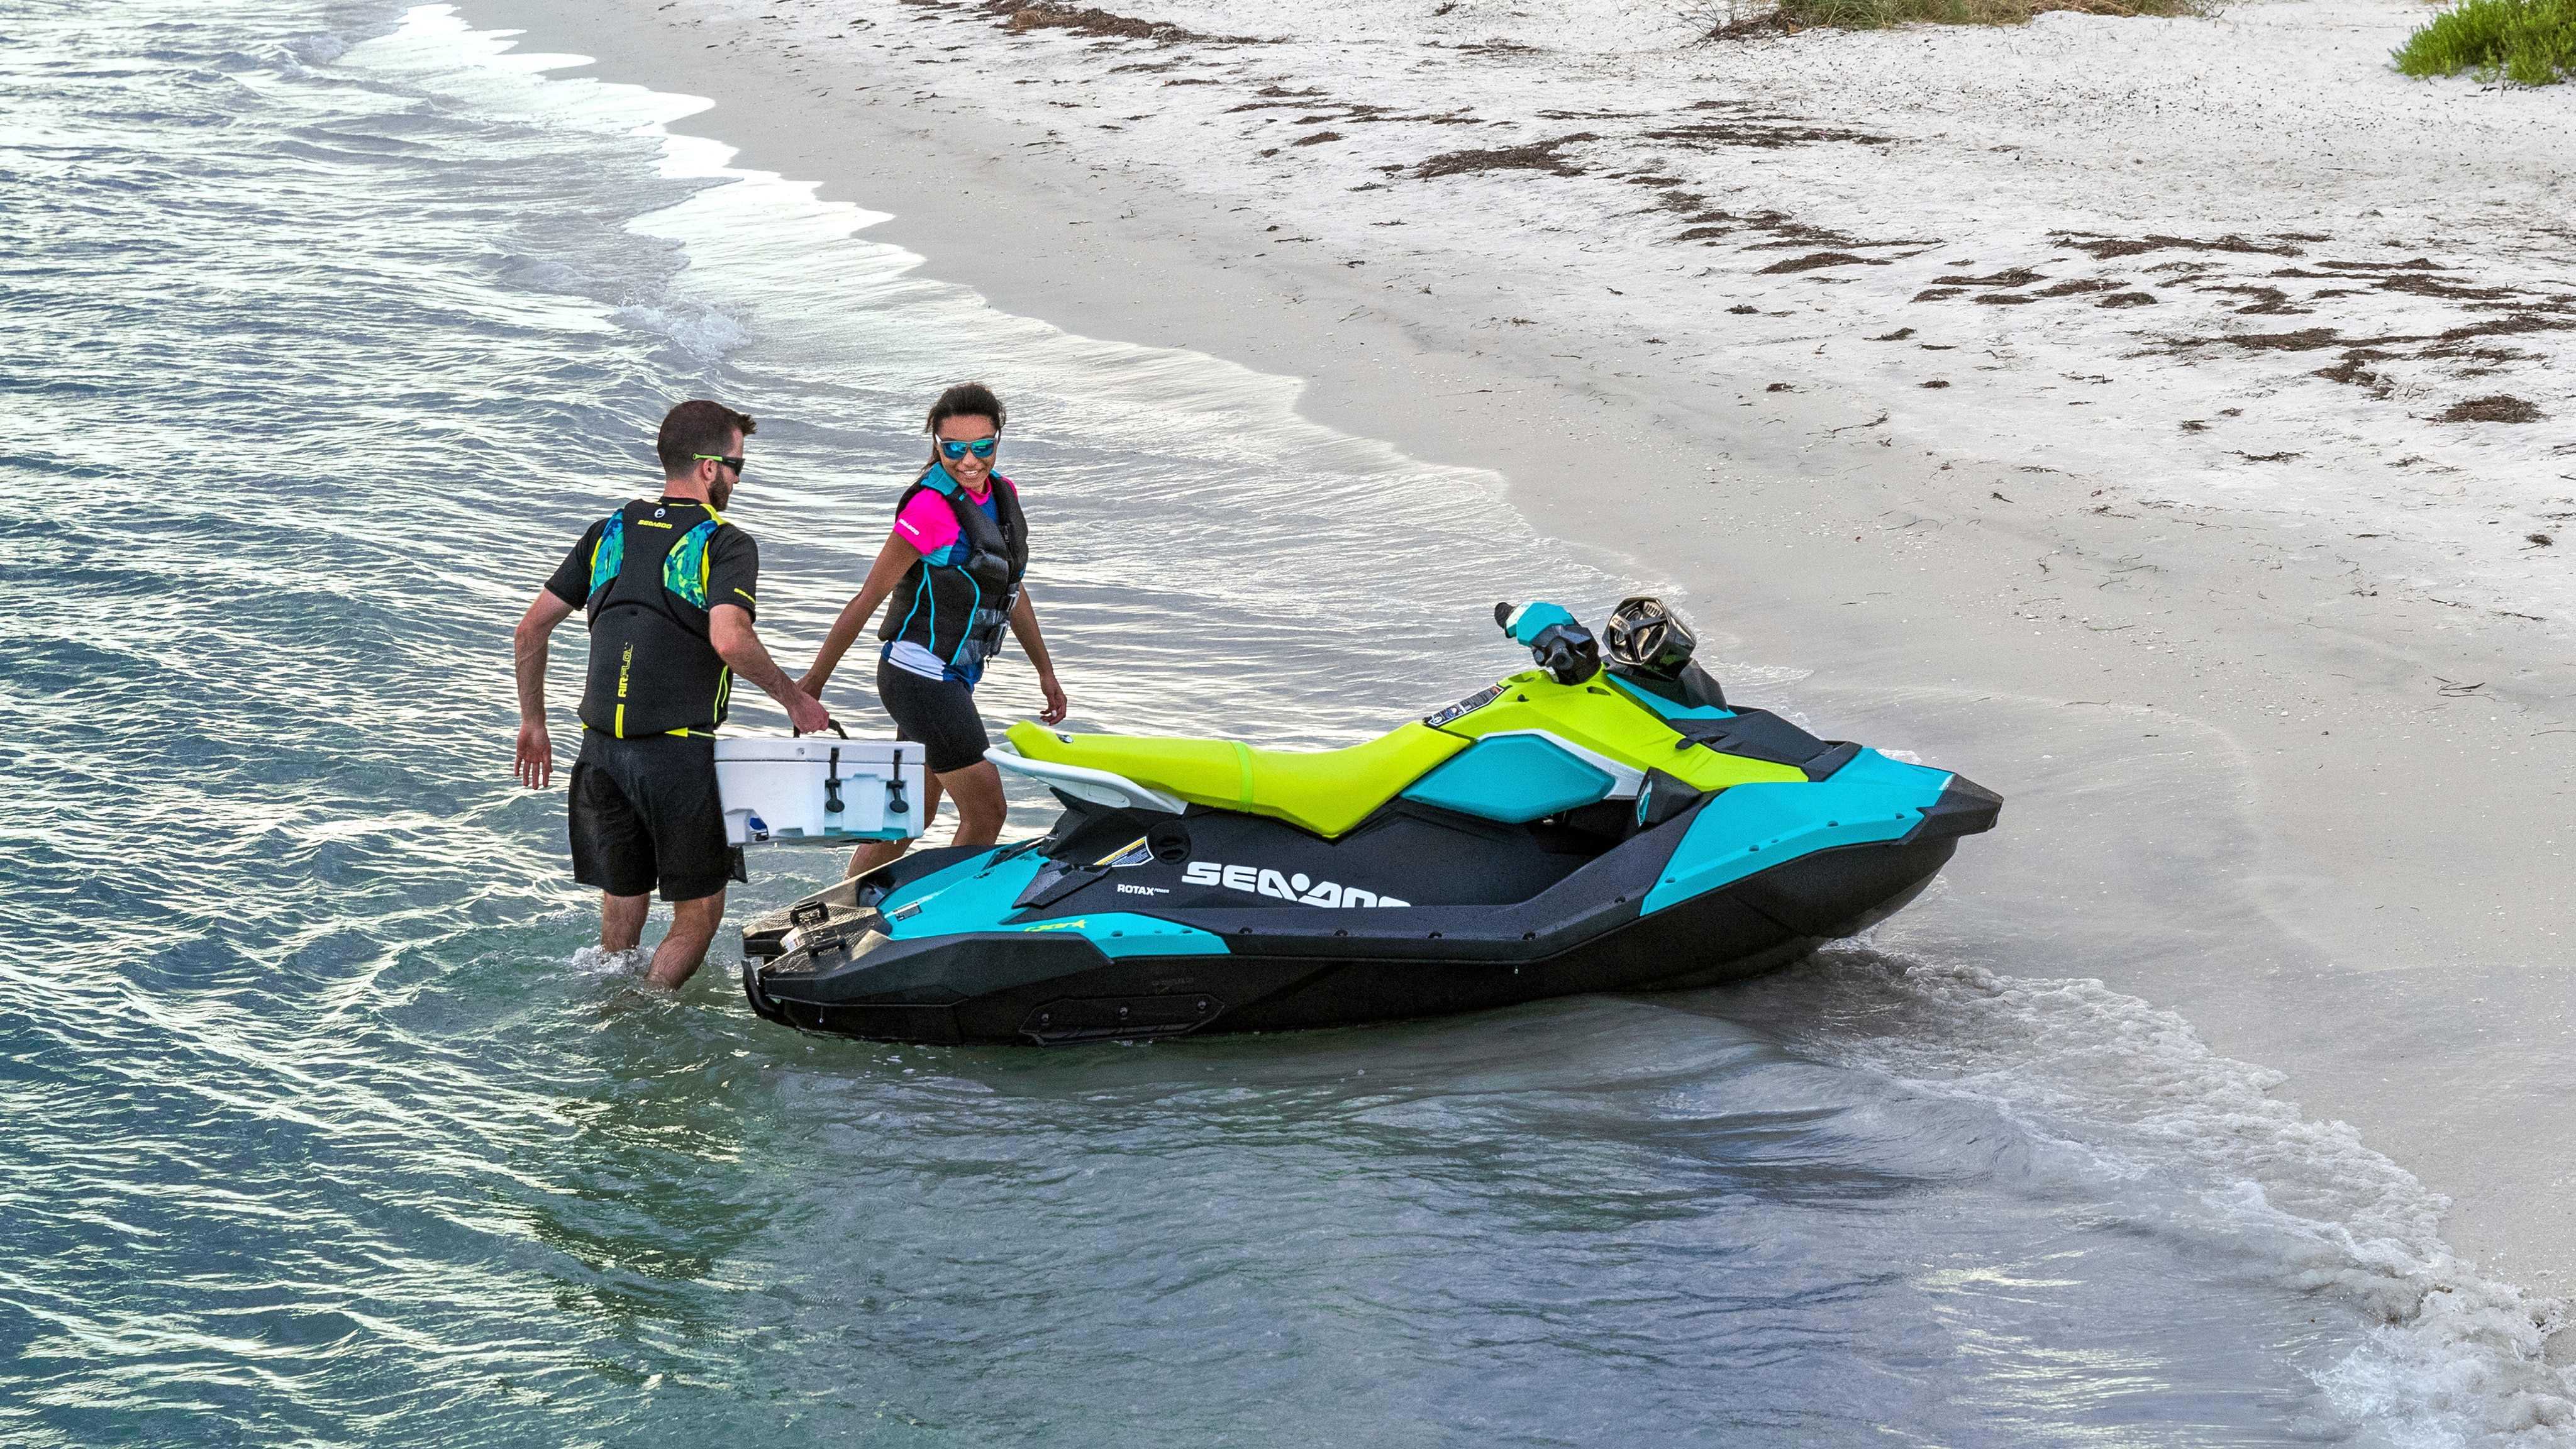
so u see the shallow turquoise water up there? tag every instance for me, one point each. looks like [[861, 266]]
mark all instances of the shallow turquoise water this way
[[330, 331]]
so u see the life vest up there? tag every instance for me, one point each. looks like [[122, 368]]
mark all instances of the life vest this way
[[653, 670], [957, 610]]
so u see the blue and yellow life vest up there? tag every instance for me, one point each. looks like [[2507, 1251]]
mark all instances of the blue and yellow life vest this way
[[653, 669]]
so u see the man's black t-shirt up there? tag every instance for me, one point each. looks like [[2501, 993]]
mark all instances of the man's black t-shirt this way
[[653, 669]]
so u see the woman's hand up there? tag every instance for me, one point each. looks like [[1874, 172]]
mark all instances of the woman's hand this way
[[1056, 708], [812, 684]]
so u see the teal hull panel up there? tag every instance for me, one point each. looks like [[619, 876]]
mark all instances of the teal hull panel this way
[[1751, 828], [1513, 779], [977, 895]]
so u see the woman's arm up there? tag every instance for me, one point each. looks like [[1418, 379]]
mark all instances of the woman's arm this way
[[1024, 627], [893, 562]]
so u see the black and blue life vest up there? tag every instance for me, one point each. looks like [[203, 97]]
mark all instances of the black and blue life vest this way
[[653, 669], [958, 610]]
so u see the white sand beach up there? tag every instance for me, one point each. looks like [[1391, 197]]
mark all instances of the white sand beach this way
[[2064, 403]]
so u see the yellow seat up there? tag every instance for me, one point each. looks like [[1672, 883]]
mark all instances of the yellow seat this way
[[1325, 791]]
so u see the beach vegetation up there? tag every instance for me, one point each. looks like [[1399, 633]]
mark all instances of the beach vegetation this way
[[2527, 42], [1792, 16]]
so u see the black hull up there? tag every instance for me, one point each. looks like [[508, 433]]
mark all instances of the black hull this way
[[1292, 970]]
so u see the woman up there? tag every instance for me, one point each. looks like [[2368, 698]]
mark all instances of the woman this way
[[952, 569]]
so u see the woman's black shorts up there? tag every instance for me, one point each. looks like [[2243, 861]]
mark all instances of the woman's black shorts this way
[[937, 714]]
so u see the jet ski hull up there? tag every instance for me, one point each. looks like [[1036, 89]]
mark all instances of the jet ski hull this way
[[1081, 962]]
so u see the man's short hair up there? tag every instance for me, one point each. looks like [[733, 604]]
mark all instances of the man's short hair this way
[[694, 427]]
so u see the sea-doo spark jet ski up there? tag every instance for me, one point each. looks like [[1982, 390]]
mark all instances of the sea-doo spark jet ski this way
[[1578, 827]]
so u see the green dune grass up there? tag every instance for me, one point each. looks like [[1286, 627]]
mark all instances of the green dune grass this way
[[2528, 42]]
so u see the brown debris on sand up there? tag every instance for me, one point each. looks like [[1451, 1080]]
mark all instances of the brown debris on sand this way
[[2016, 277], [1820, 259], [2306, 339], [1535, 156], [1707, 135], [1771, 22], [2496, 409], [2104, 248], [1092, 20]]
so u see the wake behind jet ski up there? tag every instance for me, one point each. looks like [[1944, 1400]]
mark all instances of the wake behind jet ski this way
[[1577, 827]]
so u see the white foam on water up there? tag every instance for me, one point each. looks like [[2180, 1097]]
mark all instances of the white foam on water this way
[[2116, 1094]]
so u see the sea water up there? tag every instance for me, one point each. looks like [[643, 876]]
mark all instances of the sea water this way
[[332, 326]]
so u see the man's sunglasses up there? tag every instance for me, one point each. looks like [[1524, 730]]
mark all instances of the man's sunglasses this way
[[981, 447], [735, 463]]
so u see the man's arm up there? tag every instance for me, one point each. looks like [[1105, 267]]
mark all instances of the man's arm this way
[[1024, 627], [893, 562], [536, 757], [729, 629]]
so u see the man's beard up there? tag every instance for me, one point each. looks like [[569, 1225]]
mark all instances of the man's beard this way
[[719, 492]]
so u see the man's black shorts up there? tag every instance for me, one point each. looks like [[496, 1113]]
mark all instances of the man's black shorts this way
[[645, 812], [937, 714]]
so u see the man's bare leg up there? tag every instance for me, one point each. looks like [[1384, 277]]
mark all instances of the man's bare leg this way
[[879, 852], [693, 929], [621, 921]]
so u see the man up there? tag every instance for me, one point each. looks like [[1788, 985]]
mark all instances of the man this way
[[669, 587]]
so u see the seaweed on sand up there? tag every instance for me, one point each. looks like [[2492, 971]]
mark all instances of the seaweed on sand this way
[[1792, 16], [1536, 156]]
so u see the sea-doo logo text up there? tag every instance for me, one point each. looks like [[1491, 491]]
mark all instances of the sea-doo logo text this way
[[1257, 881]]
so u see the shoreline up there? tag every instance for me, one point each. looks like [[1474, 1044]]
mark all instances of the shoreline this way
[[2327, 781]]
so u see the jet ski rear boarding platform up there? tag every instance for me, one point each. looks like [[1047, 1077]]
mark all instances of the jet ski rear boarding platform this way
[[1571, 829]]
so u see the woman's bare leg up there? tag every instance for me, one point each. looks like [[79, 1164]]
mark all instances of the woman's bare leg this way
[[977, 789]]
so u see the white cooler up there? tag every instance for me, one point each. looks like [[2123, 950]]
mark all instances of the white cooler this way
[[819, 787]]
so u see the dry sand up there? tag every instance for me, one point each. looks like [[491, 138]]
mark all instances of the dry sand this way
[[2309, 789]]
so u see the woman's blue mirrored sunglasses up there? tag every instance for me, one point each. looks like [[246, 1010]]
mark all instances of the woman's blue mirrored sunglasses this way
[[981, 447]]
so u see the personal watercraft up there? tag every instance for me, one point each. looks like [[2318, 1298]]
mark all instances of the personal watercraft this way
[[1580, 826]]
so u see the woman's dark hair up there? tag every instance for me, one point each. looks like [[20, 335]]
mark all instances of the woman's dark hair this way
[[694, 427], [965, 400]]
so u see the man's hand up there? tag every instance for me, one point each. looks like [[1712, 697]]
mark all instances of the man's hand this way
[[1056, 708], [536, 765], [729, 629], [808, 714]]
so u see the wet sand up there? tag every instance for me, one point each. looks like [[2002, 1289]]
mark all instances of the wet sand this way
[[2253, 775]]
